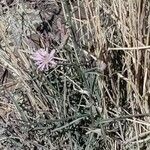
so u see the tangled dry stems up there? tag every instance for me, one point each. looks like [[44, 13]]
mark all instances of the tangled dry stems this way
[[76, 105]]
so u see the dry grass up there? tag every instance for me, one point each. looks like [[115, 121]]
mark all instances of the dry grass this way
[[77, 105]]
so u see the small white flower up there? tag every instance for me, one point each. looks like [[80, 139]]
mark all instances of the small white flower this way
[[101, 65]]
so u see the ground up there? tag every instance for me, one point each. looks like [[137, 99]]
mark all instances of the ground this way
[[96, 96]]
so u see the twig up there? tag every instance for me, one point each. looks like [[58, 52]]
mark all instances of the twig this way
[[123, 117], [130, 48]]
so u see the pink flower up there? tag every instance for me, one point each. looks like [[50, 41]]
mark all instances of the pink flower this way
[[43, 59]]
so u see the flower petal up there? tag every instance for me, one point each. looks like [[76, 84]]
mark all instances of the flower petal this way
[[51, 55], [41, 67], [38, 62]]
